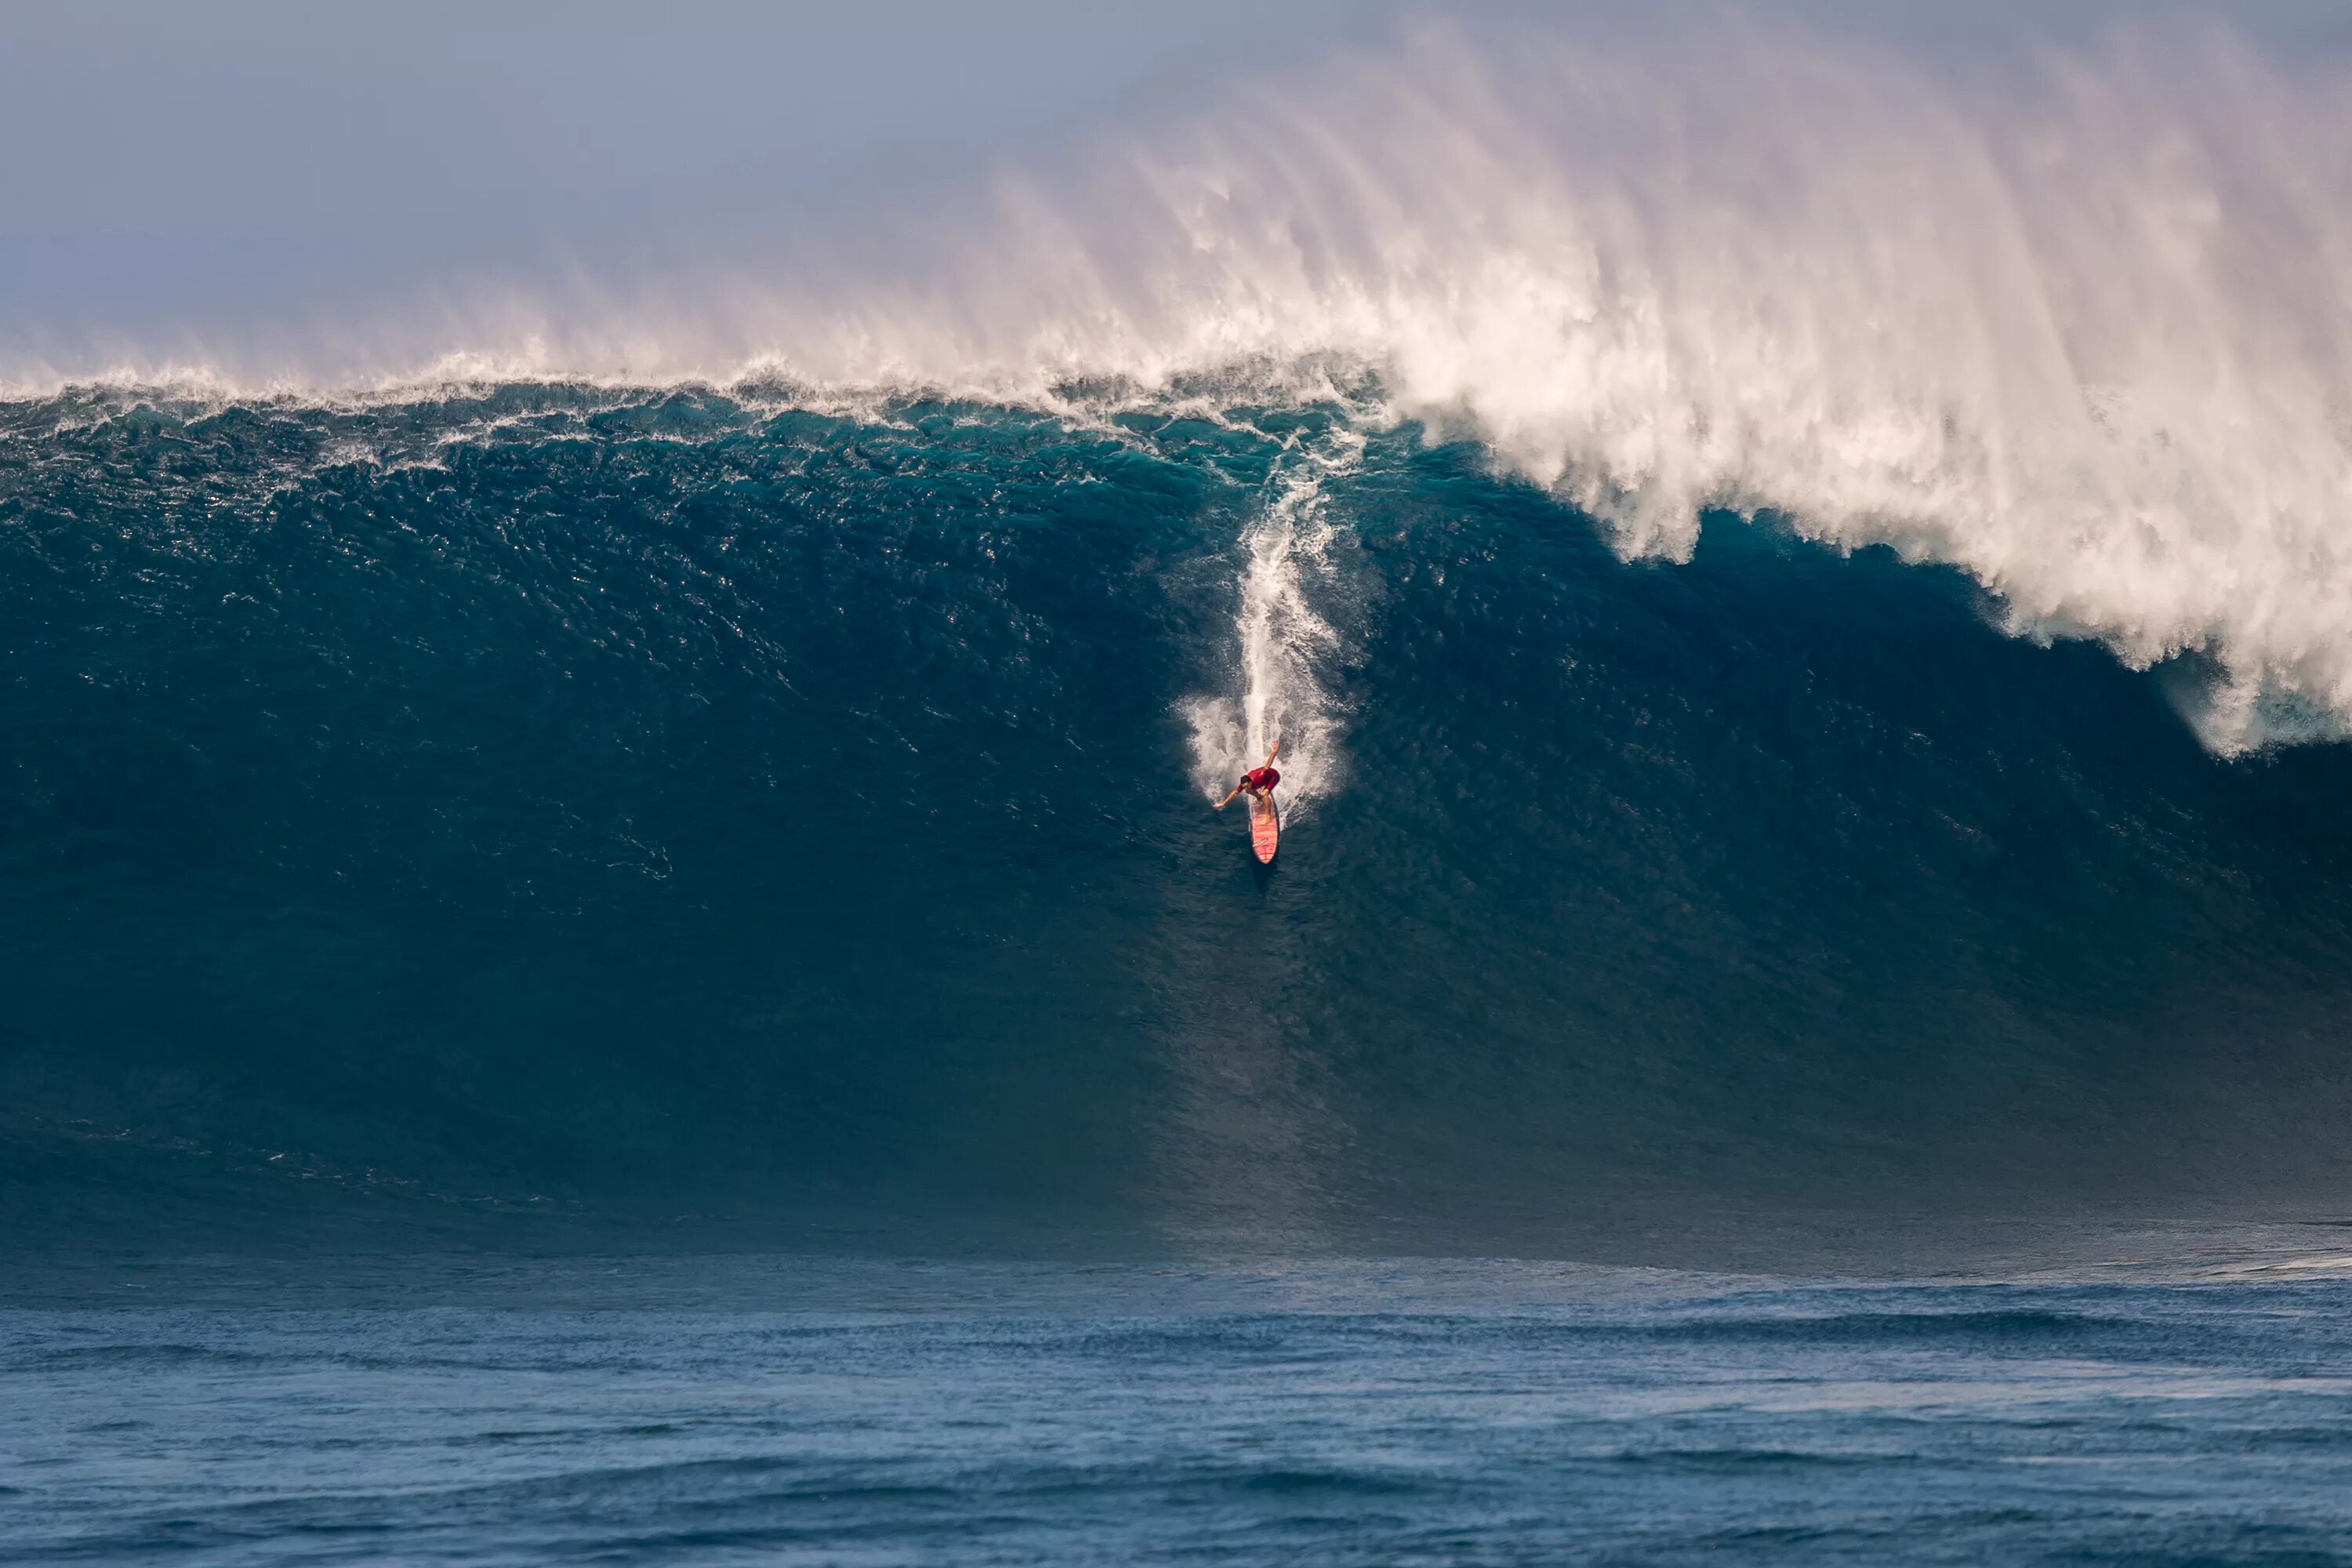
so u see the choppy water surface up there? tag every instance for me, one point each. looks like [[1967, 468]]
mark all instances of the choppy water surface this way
[[800, 1410]]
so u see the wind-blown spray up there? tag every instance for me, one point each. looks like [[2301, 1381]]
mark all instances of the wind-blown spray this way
[[2079, 329]]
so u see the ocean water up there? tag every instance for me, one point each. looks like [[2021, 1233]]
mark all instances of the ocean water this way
[[692, 807], [647, 975], [802, 1410], [613, 944]]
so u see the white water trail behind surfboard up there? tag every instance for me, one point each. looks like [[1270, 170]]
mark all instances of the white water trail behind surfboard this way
[[1286, 645]]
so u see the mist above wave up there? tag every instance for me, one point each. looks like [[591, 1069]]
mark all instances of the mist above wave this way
[[2081, 331]]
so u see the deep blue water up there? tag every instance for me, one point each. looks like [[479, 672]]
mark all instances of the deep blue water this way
[[800, 1410]]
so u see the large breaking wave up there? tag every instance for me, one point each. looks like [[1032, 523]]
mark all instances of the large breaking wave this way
[[746, 758], [2078, 328], [689, 804]]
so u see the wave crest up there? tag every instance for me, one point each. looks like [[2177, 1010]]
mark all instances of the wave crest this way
[[2079, 331]]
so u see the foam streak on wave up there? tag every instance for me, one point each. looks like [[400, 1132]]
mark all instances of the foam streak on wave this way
[[1286, 647]]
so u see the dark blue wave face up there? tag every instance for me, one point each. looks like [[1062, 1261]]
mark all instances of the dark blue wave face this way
[[636, 806]]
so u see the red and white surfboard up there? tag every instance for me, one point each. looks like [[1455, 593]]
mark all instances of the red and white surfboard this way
[[1265, 830]]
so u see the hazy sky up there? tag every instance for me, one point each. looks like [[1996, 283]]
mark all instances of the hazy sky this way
[[229, 154], [206, 164]]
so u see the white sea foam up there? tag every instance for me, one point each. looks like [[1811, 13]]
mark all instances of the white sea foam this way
[[1286, 650], [2084, 331]]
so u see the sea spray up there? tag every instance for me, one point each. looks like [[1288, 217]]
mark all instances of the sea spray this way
[[2075, 326]]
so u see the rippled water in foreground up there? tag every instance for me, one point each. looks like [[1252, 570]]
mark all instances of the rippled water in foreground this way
[[801, 1411]]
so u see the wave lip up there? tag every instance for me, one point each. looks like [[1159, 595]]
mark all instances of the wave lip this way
[[2075, 328]]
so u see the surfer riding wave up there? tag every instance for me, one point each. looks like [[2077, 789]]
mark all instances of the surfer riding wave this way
[[1257, 783], [1266, 823]]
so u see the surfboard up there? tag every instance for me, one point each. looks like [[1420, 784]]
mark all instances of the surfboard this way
[[1265, 830]]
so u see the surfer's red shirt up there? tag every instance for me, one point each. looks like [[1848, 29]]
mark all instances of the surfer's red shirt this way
[[1261, 778]]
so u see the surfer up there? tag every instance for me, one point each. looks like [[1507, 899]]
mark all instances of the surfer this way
[[1257, 783]]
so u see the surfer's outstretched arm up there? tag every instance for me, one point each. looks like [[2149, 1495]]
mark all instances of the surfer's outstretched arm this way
[[1271, 755], [1228, 800]]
